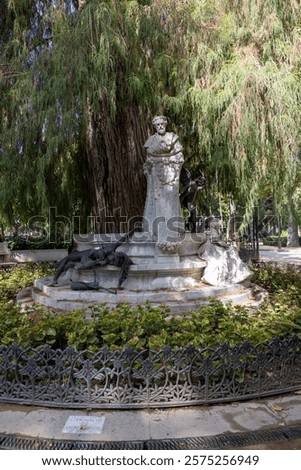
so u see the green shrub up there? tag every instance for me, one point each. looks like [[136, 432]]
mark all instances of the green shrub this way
[[149, 327], [273, 240], [11, 282], [35, 243]]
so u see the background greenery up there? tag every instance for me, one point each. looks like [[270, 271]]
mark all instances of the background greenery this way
[[80, 81]]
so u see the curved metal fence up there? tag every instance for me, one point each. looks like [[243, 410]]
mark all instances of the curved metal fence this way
[[132, 379]]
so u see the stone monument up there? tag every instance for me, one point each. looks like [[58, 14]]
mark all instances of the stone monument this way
[[163, 218], [163, 264]]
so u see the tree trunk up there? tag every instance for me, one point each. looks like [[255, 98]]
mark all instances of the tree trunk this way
[[292, 228], [114, 157]]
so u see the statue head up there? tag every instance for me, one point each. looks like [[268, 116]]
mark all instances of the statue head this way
[[160, 123]]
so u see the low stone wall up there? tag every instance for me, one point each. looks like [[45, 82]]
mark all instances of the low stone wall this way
[[27, 256]]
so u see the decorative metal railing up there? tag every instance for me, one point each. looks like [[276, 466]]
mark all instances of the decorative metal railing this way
[[131, 379]]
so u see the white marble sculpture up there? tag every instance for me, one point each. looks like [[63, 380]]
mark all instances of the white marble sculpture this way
[[163, 218], [224, 266]]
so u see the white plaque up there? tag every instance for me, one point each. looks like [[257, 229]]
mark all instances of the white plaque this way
[[84, 425]]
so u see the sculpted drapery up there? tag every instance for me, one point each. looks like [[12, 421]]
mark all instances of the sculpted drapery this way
[[162, 214]]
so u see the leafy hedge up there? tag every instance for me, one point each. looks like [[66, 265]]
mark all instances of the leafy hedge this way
[[151, 327], [20, 276], [35, 243], [273, 240]]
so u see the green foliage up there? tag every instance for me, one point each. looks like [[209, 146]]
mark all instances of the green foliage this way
[[138, 327], [247, 105], [35, 243], [273, 240], [149, 327], [19, 277], [227, 73], [282, 284]]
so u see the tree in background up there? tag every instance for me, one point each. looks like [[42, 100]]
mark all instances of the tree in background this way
[[246, 99], [81, 81]]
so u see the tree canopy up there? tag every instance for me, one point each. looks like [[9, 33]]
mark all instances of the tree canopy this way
[[80, 81]]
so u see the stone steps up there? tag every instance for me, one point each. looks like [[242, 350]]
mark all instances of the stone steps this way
[[179, 301]]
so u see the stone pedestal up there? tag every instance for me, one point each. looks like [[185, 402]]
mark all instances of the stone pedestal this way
[[152, 269], [174, 279]]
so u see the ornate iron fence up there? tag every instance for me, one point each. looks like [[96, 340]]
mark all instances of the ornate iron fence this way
[[131, 379]]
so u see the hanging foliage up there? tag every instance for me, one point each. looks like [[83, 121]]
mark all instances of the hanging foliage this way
[[245, 99], [81, 80]]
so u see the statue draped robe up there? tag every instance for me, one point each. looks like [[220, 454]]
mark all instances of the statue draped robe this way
[[162, 214]]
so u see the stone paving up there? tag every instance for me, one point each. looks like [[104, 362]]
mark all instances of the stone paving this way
[[282, 255], [155, 424]]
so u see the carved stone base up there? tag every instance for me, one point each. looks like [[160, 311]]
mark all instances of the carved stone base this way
[[155, 276]]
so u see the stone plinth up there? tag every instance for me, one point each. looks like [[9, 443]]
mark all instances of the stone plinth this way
[[154, 276], [145, 276], [171, 279], [152, 269], [142, 249]]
